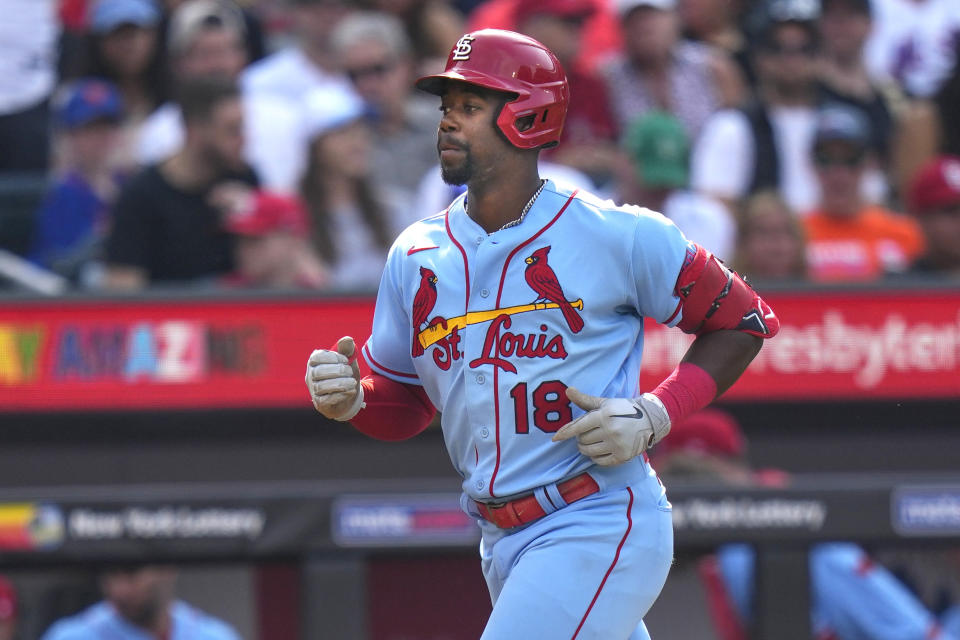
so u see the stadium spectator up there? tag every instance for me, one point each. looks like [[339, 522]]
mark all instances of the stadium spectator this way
[[660, 151], [8, 610], [28, 34], [589, 140], [294, 71], [658, 70], [935, 201], [123, 47], [847, 238], [930, 127], [601, 37], [432, 27], [914, 43], [766, 145], [253, 39], [843, 76], [72, 221], [206, 38], [375, 53], [167, 225], [353, 220], [770, 241], [140, 603], [852, 597], [716, 23], [272, 247]]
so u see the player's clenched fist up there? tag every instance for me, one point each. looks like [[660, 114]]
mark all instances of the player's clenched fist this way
[[333, 379], [615, 430]]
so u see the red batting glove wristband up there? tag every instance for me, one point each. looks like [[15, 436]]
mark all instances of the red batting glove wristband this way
[[688, 389]]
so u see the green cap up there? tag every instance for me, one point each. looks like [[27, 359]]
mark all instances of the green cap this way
[[660, 150]]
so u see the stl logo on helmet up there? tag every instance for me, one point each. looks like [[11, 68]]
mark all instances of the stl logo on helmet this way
[[499, 344], [463, 49]]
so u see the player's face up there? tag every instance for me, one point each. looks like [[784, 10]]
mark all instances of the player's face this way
[[468, 142], [140, 594]]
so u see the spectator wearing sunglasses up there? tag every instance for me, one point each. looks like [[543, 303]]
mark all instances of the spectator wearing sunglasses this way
[[375, 53], [849, 239], [766, 144]]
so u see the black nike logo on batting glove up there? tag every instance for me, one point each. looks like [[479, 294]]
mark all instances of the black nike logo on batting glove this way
[[637, 415]]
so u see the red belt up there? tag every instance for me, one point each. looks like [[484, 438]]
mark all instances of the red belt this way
[[507, 515]]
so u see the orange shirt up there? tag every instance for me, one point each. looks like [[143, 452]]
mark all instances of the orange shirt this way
[[863, 247]]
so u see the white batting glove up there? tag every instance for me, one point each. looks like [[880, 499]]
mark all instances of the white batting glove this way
[[615, 430], [334, 381]]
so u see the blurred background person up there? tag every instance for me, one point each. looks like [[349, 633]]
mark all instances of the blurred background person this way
[[766, 145], [310, 62], [353, 223], [771, 243], [601, 37], [8, 610], [930, 127], [717, 23], [845, 26], [852, 597], [375, 53], [934, 200], [913, 43], [272, 248], [123, 46], [206, 38], [253, 37], [73, 220], [658, 145], [589, 139], [432, 26], [167, 225], [660, 71], [849, 239], [28, 40], [140, 603]]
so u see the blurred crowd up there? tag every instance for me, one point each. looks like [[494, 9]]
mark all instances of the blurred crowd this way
[[280, 143]]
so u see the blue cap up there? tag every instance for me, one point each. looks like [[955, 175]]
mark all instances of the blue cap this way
[[88, 100], [842, 123], [107, 15]]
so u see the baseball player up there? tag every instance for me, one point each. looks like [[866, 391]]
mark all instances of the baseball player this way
[[518, 313]]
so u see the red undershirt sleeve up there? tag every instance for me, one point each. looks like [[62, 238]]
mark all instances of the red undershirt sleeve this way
[[393, 411]]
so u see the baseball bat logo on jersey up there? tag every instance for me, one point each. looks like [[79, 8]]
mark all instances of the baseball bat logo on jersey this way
[[497, 346]]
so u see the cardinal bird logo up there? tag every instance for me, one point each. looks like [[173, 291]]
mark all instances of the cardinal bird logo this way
[[423, 304], [543, 281]]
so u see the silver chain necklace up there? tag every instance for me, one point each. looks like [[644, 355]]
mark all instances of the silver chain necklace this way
[[523, 212]]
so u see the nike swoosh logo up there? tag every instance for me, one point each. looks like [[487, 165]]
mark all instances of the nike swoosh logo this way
[[413, 250], [637, 415]]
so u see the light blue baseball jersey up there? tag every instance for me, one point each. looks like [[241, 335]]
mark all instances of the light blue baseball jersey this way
[[101, 621], [853, 599], [506, 321]]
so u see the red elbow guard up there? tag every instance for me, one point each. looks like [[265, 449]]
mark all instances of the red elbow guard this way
[[714, 297]]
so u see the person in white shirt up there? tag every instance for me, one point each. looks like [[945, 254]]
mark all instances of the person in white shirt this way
[[767, 144], [913, 42], [206, 38], [293, 72], [28, 39]]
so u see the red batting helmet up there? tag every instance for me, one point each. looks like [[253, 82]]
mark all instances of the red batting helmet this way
[[513, 63]]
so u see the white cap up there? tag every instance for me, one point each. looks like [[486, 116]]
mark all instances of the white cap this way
[[626, 6], [193, 16], [330, 107]]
